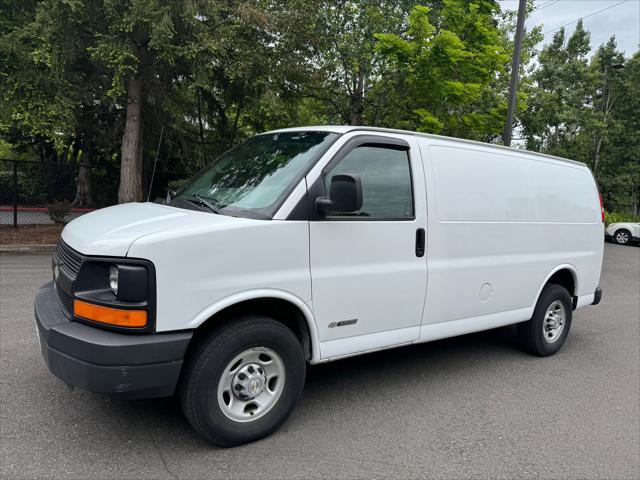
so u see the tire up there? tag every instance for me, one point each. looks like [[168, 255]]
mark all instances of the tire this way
[[271, 361], [622, 237], [537, 335]]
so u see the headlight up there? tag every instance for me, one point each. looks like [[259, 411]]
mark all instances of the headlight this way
[[113, 279], [116, 293]]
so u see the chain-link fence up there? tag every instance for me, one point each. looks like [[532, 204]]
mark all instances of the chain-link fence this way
[[41, 193]]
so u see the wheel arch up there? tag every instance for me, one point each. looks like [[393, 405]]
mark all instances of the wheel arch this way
[[565, 275], [280, 305]]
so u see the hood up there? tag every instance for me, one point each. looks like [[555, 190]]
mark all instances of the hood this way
[[111, 231]]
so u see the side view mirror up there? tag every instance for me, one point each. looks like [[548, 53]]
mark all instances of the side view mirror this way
[[345, 195]]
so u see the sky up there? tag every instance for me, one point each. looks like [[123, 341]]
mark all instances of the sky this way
[[621, 18]]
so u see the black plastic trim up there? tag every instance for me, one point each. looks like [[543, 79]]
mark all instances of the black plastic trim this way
[[301, 210], [597, 296], [364, 141], [124, 381]]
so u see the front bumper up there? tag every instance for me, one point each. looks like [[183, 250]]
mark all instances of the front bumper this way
[[126, 365]]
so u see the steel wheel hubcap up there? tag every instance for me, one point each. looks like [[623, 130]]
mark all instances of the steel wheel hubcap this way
[[554, 321], [251, 384], [622, 237], [249, 381]]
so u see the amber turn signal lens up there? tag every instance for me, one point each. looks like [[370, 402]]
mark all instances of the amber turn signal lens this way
[[110, 316]]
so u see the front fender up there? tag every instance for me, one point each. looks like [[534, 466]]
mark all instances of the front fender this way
[[256, 294]]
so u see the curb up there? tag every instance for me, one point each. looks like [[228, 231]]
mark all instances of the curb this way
[[27, 249]]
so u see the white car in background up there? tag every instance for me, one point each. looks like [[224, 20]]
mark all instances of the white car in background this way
[[623, 233]]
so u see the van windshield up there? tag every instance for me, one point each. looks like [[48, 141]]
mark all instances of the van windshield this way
[[254, 178]]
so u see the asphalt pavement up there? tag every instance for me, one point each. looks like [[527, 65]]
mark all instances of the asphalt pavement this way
[[472, 406]]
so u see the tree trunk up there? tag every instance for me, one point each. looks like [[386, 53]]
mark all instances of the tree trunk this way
[[83, 180], [144, 182], [355, 116], [75, 149], [130, 189], [357, 98]]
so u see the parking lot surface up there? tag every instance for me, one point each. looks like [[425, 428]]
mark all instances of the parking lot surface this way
[[472, 406]]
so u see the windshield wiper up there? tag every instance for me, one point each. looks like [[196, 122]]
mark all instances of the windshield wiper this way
[[214, 208]]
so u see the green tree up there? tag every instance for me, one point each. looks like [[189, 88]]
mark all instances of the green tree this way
[[146, 47], [618, 168], [100, 81], [55, 95], [448, 69], [563, 90], [588, 110], [347, 67]]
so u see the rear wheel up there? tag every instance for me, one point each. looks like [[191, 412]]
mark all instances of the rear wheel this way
[[549, 326], [622, 237], [243, 381]]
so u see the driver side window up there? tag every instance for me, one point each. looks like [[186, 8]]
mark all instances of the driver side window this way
[[386, 181]]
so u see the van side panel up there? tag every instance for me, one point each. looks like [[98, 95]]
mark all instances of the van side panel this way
[[499, 224]]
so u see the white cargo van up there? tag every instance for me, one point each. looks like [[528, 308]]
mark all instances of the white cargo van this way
[[310, 245]]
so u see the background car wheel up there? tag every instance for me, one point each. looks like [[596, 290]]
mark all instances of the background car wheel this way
[[243, 381], [622, 237], [549, 326]]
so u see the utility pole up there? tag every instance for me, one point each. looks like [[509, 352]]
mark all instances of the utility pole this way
[[606, 104], [515, 69]]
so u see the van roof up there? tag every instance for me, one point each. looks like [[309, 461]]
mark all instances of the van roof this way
[[351, 128]]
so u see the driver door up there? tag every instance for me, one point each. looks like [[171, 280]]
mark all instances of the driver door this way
[[368, 268]]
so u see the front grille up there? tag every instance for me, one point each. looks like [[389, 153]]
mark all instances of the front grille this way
[[68, 259], [66, 300]]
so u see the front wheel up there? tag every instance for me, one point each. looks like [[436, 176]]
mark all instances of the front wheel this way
[[622, 237], [243, 381], [549, 326]]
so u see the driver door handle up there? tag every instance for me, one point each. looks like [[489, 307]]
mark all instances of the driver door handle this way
[[420, 237]]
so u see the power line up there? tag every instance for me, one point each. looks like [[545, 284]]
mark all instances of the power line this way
[[586, 16], [544, 6]]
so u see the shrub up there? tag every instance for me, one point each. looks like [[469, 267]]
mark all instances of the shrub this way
[[58, 211], [615, 217]]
